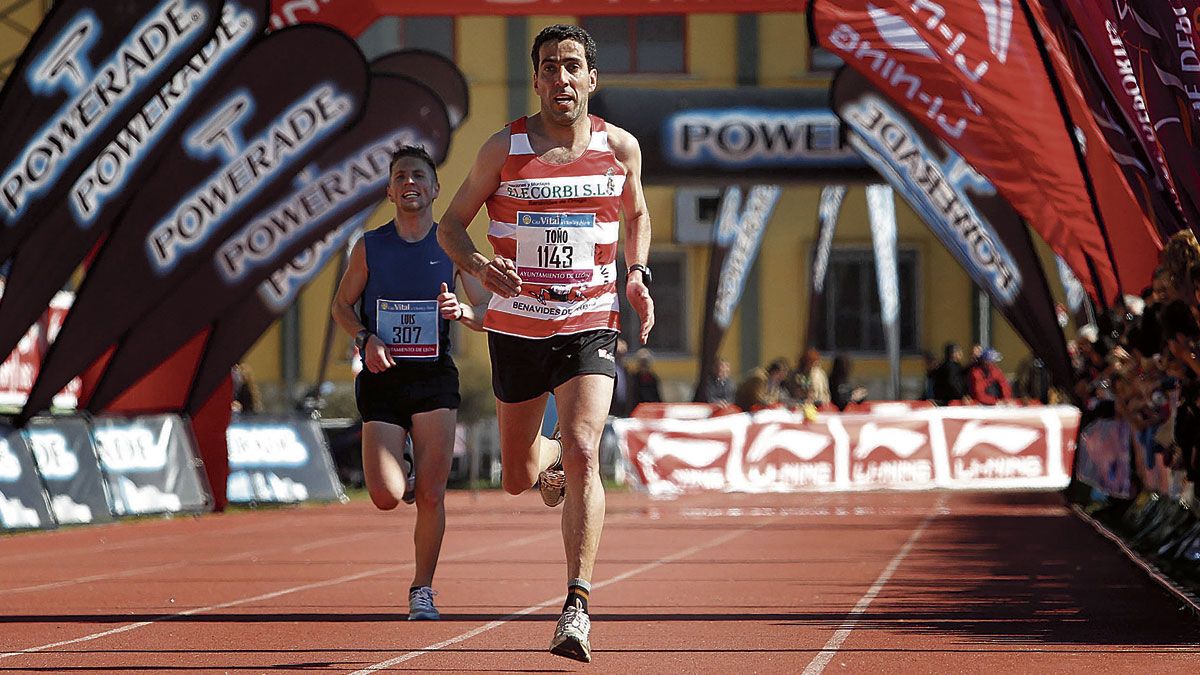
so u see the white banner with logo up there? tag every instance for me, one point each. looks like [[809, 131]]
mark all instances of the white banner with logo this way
[[279, 458], [151, 464], [66, 457], [778, 451]]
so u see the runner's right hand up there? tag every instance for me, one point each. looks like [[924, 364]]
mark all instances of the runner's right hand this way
[[376, 355], [499, 275]]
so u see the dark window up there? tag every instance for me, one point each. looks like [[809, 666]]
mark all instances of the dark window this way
[[852, 320], [643, 44], [669, 290], [821, 60], [390, 33]]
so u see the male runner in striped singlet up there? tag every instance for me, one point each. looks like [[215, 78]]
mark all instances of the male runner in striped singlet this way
[[555, 184], [395, 299]]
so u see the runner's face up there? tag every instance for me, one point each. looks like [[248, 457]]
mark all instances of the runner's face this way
[[563, 81], [412, 187]]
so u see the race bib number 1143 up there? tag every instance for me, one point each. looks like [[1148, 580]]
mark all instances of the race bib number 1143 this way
[[555, 248]]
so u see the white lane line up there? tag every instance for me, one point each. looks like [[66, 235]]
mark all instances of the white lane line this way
[[119, 574], [822, 659], [547, 603], [274, 594]]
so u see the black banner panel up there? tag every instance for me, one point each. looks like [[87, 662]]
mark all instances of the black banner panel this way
[[151, 465], [23, 501], [281, 459], [66, 457]]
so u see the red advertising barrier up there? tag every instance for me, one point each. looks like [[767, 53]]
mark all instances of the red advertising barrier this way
[[964, 447]]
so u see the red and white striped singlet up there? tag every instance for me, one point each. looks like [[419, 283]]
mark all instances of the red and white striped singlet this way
[[560, 224]]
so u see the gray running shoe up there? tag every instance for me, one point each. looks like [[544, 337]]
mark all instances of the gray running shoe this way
[[552, 482], [420, 605], [410, 481], [571, 635]]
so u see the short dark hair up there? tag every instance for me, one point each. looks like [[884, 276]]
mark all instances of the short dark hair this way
[[417, 151], [559, 32]]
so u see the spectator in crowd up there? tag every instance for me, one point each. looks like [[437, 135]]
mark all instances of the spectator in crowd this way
[[717, 388], [808, 381], [986, 383], [643, 381], [1033, 381], [949, 379], [762, 387], [777, 374], [247, 398], [620, 406], [842, 392]]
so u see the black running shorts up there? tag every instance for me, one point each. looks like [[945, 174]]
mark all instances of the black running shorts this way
[[525, 368], [400, 392]]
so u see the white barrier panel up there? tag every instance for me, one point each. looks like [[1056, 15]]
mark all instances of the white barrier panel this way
[[151, 464], [70, 467], [279, 458], [23, 500], [777, 451]]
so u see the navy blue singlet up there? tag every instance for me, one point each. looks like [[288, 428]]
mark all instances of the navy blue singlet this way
[[403, 282]]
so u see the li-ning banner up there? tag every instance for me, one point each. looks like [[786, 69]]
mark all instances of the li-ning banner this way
[[349, 175], [828, 208], [66, 457], [281, 459], [739, 231], [236, 155], [976, 79], [89, 67], [355, 16], [151, 465], [100, 190], [239, 327], [708, 135], [779, 451], [962, 208], [23, 501]]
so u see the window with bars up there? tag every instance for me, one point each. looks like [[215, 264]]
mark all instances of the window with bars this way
[[390, 33], [638, 44], [851, 321]]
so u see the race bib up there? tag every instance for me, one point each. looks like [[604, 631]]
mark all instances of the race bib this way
[[409, 328], [553, 248]]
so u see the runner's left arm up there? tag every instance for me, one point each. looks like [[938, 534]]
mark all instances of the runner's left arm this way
[[637, 225]]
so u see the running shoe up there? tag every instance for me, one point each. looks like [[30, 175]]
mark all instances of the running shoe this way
[[420, 605], [571, 635], [552, 482], [410, 481]]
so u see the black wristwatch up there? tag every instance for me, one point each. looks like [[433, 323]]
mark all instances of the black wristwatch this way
[[360, 338], [647, 278]]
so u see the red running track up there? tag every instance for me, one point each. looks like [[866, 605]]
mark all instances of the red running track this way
[[877, 582]]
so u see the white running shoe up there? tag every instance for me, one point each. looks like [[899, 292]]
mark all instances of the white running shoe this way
[[420, 605], [552, 482], [571, 635], [410, 481]]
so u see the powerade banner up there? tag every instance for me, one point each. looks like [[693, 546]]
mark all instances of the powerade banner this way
[[66, 457], [707, 135], [280, 459], [967, 447], [355, 16], [23, 502], [97, 194], [434, 71], [881, 212], [89, 67], [962, 208], [236, 154], [240, 326], [349, 175], [739, 231], [151, 465], [972, 73], [828, 208]]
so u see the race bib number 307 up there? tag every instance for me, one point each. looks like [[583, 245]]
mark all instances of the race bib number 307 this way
[[409, 328], [555, 248]]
